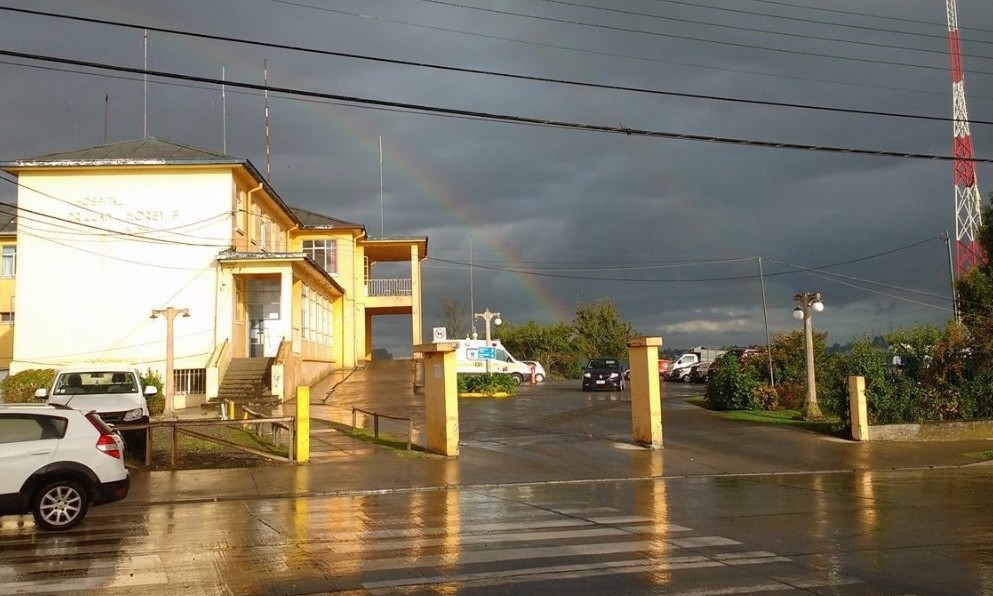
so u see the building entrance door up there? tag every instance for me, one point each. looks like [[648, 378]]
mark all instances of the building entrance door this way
[[266, 328]]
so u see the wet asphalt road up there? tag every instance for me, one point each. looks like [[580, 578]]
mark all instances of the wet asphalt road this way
[[724, 508]]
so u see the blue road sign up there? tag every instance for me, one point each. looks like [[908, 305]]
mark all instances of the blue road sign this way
[[487, 353]]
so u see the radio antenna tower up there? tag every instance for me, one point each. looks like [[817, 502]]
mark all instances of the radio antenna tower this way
[[968, 205]]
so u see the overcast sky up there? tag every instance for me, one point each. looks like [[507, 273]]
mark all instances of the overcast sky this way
[[670, 230]]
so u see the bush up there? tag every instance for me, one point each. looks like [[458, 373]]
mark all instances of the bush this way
[[766, 397], [487, 384], [20, 388], [156, 403], [730, 388]]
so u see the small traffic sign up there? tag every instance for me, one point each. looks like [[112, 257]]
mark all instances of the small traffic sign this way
[[440, 333]]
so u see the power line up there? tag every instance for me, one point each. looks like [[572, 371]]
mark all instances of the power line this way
[[689, 38], [474, 71], [804, 36], [545, 273], [501, 118], [603, 53]]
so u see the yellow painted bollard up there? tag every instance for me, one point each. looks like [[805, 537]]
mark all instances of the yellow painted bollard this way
[[302, 451], [646, 397], [859, 408]]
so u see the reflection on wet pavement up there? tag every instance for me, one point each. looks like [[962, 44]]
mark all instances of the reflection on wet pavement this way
[[828, 533]]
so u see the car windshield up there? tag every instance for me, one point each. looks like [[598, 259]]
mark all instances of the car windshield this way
[[95, 382], [604, 363]]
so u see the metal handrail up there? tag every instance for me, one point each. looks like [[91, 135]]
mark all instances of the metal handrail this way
[[375, 423]]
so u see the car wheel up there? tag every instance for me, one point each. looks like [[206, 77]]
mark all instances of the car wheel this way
[[60, 505], [539, 378], [518, 379]]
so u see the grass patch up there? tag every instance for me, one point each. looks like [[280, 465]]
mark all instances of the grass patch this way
[[982, 455], [196, 453], [385, 440], [826, 426]]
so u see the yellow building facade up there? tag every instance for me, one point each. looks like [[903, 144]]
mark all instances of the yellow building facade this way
[[108, 234]]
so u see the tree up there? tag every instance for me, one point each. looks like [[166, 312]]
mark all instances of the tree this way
[[975, 299], [551, 345], [600, 331], [454, 319]]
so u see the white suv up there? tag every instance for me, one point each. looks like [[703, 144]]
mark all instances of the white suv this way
[[58, 461]]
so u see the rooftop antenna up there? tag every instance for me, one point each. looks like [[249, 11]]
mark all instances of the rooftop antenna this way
[[144, 109], [382, 224], [472, 304], [268, 157], [224, 113]]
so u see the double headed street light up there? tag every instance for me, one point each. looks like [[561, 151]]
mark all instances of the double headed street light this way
[[488, 316], [169, 314], [809, 302]]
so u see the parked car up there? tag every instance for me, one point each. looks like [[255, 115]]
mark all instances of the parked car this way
[[699, 373], [604, 373], [112, 390], [57, 461]]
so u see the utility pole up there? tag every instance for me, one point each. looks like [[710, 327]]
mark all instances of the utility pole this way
[[170, 314], [488, 316]]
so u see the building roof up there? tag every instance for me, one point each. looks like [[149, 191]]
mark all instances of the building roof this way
[[313, 220], [147, 151]]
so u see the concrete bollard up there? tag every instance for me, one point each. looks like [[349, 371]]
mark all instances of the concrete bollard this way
[[859, 408], [302, 451], [646, 397]]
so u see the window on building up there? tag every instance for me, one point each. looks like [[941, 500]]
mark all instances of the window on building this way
[[324, 253], [315, 317], [6, 318], [8, 264], [190, 381]]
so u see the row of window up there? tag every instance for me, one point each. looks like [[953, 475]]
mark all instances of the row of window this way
[[315, 317]]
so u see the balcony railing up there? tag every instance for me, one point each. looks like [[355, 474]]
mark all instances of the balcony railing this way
[[388, 287]]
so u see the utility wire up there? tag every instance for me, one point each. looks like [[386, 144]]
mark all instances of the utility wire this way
[[502, 118], [689, 38], [860, 14], [608, 54], [545, 273], [780, 16], [804, 36], [512, 76]]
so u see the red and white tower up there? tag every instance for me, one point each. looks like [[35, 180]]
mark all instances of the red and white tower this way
[[968, 205]]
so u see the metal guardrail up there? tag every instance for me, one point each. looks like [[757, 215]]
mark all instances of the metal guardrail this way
[[375, 423], [179, 427]]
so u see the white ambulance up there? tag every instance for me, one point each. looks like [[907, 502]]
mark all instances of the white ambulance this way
[[471, 356]]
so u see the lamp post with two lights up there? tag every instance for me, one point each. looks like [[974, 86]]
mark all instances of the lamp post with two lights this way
[[809, 303], [488, 316], [169, 314]]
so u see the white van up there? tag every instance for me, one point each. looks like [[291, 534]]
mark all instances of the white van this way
[[471, 356]]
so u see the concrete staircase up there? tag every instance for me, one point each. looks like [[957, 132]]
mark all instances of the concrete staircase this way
[[247, 382]]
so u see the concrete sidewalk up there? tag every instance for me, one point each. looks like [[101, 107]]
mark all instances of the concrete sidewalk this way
[[554, 449]]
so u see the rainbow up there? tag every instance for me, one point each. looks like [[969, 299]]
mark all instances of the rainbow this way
[[543, 298]]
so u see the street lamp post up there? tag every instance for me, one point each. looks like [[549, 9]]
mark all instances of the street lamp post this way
[[809, 303], [169, 314], [488, 316]]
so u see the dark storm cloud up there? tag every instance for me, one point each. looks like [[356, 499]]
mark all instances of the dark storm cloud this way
[[598, 215]]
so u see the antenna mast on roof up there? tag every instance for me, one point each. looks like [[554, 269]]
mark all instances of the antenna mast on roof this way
[[382, 220], [968, 208], [144, 108], [268, 157], [224, 113]]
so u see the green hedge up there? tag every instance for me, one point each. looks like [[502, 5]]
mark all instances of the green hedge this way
[[486, 384], [20, 388]]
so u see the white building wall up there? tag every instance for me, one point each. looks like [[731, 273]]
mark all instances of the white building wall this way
[[98, 250]]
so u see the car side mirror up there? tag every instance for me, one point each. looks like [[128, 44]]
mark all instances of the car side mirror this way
[[41, 393], [151, 390]]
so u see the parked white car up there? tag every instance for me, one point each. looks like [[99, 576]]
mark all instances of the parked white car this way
[[57, 461], [112, 390]]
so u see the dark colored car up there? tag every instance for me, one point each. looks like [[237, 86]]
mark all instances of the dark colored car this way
[[604, 373], [700, 373]]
